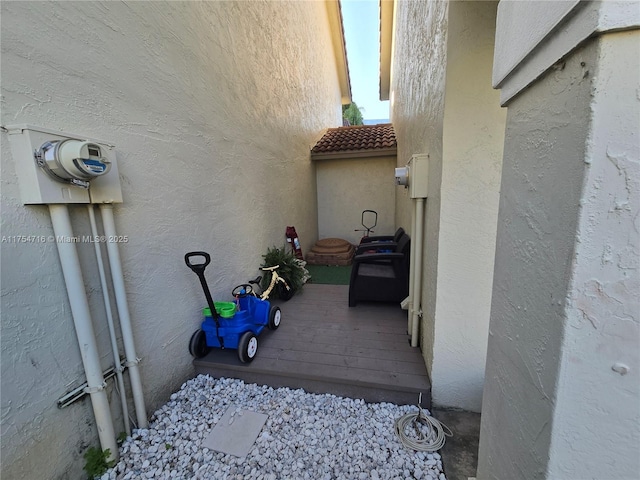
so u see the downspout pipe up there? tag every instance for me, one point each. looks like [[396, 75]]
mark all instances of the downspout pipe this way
[[106, 210], [112, 332], [417, 271], [83, 326]]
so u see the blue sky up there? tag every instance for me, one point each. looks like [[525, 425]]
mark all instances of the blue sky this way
[[361, 20]]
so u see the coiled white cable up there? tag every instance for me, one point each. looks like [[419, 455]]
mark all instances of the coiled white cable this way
[[432, 441]]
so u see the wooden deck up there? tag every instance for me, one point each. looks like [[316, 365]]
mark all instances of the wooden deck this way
[[324, 346]]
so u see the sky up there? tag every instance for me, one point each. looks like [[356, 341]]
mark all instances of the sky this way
[[361, 22]]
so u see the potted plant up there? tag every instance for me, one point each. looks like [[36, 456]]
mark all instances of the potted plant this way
[[291, 268]]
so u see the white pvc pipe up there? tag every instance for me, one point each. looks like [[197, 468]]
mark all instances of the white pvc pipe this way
[[84, 328], [412, 261], [123, 311], [112, 331], [417, 271]]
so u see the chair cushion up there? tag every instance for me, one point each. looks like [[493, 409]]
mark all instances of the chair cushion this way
[[331, 251], [332, 242], [335, 249]]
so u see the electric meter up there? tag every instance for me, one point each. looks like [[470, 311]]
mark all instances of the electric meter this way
[[72, 161], [402, 176]]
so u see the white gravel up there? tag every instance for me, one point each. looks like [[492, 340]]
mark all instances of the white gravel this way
[[307, 436]]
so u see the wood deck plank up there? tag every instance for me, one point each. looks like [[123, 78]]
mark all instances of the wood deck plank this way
[[323, 345], [348, 349], [364, 376], [382, 341], [351, 361]]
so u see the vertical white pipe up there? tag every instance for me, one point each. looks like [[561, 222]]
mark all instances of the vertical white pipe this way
[[84, 329], [412, 261], [112, 331], [109, 224], [417, 272]]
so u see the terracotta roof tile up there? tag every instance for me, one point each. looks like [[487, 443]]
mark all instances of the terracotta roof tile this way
[[357, 138]]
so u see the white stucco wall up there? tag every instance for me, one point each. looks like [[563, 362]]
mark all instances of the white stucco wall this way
[[541, 186], [530, 22], [533, 35], [444, 105], [564, 312], [473, 139], [417, 111], [212, 108], [346, 187], [599, 378]]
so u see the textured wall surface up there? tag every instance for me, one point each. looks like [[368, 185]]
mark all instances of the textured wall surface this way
[[599, 378], [212, 108], [529, 23], [534, 35], [542, 175], [347, 187], [564, 308], [443, 105], [473, 139], [417, 111]]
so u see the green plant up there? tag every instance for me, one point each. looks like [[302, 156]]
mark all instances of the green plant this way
[[291, 268], [96, 462], [353, 113], [121, 438]]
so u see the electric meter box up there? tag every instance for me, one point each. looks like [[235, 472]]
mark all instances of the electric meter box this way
[[418, 176], [57, 167]]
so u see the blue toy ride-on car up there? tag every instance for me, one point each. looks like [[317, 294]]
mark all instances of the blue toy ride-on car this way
[[234, 324]]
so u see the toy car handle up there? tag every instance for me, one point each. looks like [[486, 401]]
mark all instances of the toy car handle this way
[[197, 267]]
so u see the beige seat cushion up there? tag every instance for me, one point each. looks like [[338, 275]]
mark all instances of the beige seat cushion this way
[[331, 251]]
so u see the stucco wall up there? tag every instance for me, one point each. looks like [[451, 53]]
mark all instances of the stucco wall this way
[[444, 105], [212, 108], [542, 173], [599, 378], [417, 111], [346, 187], [533, 35], [473, 139], [564, 308], [530, 22]]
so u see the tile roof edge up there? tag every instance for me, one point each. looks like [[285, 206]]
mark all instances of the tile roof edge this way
[[349, 154], [318, 137]]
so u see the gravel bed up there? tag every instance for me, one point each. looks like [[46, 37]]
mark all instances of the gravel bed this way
[[306, 436]]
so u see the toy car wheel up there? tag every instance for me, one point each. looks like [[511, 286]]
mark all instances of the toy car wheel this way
[[285, 293], [275, 315], [198, 347], [247, 347]]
